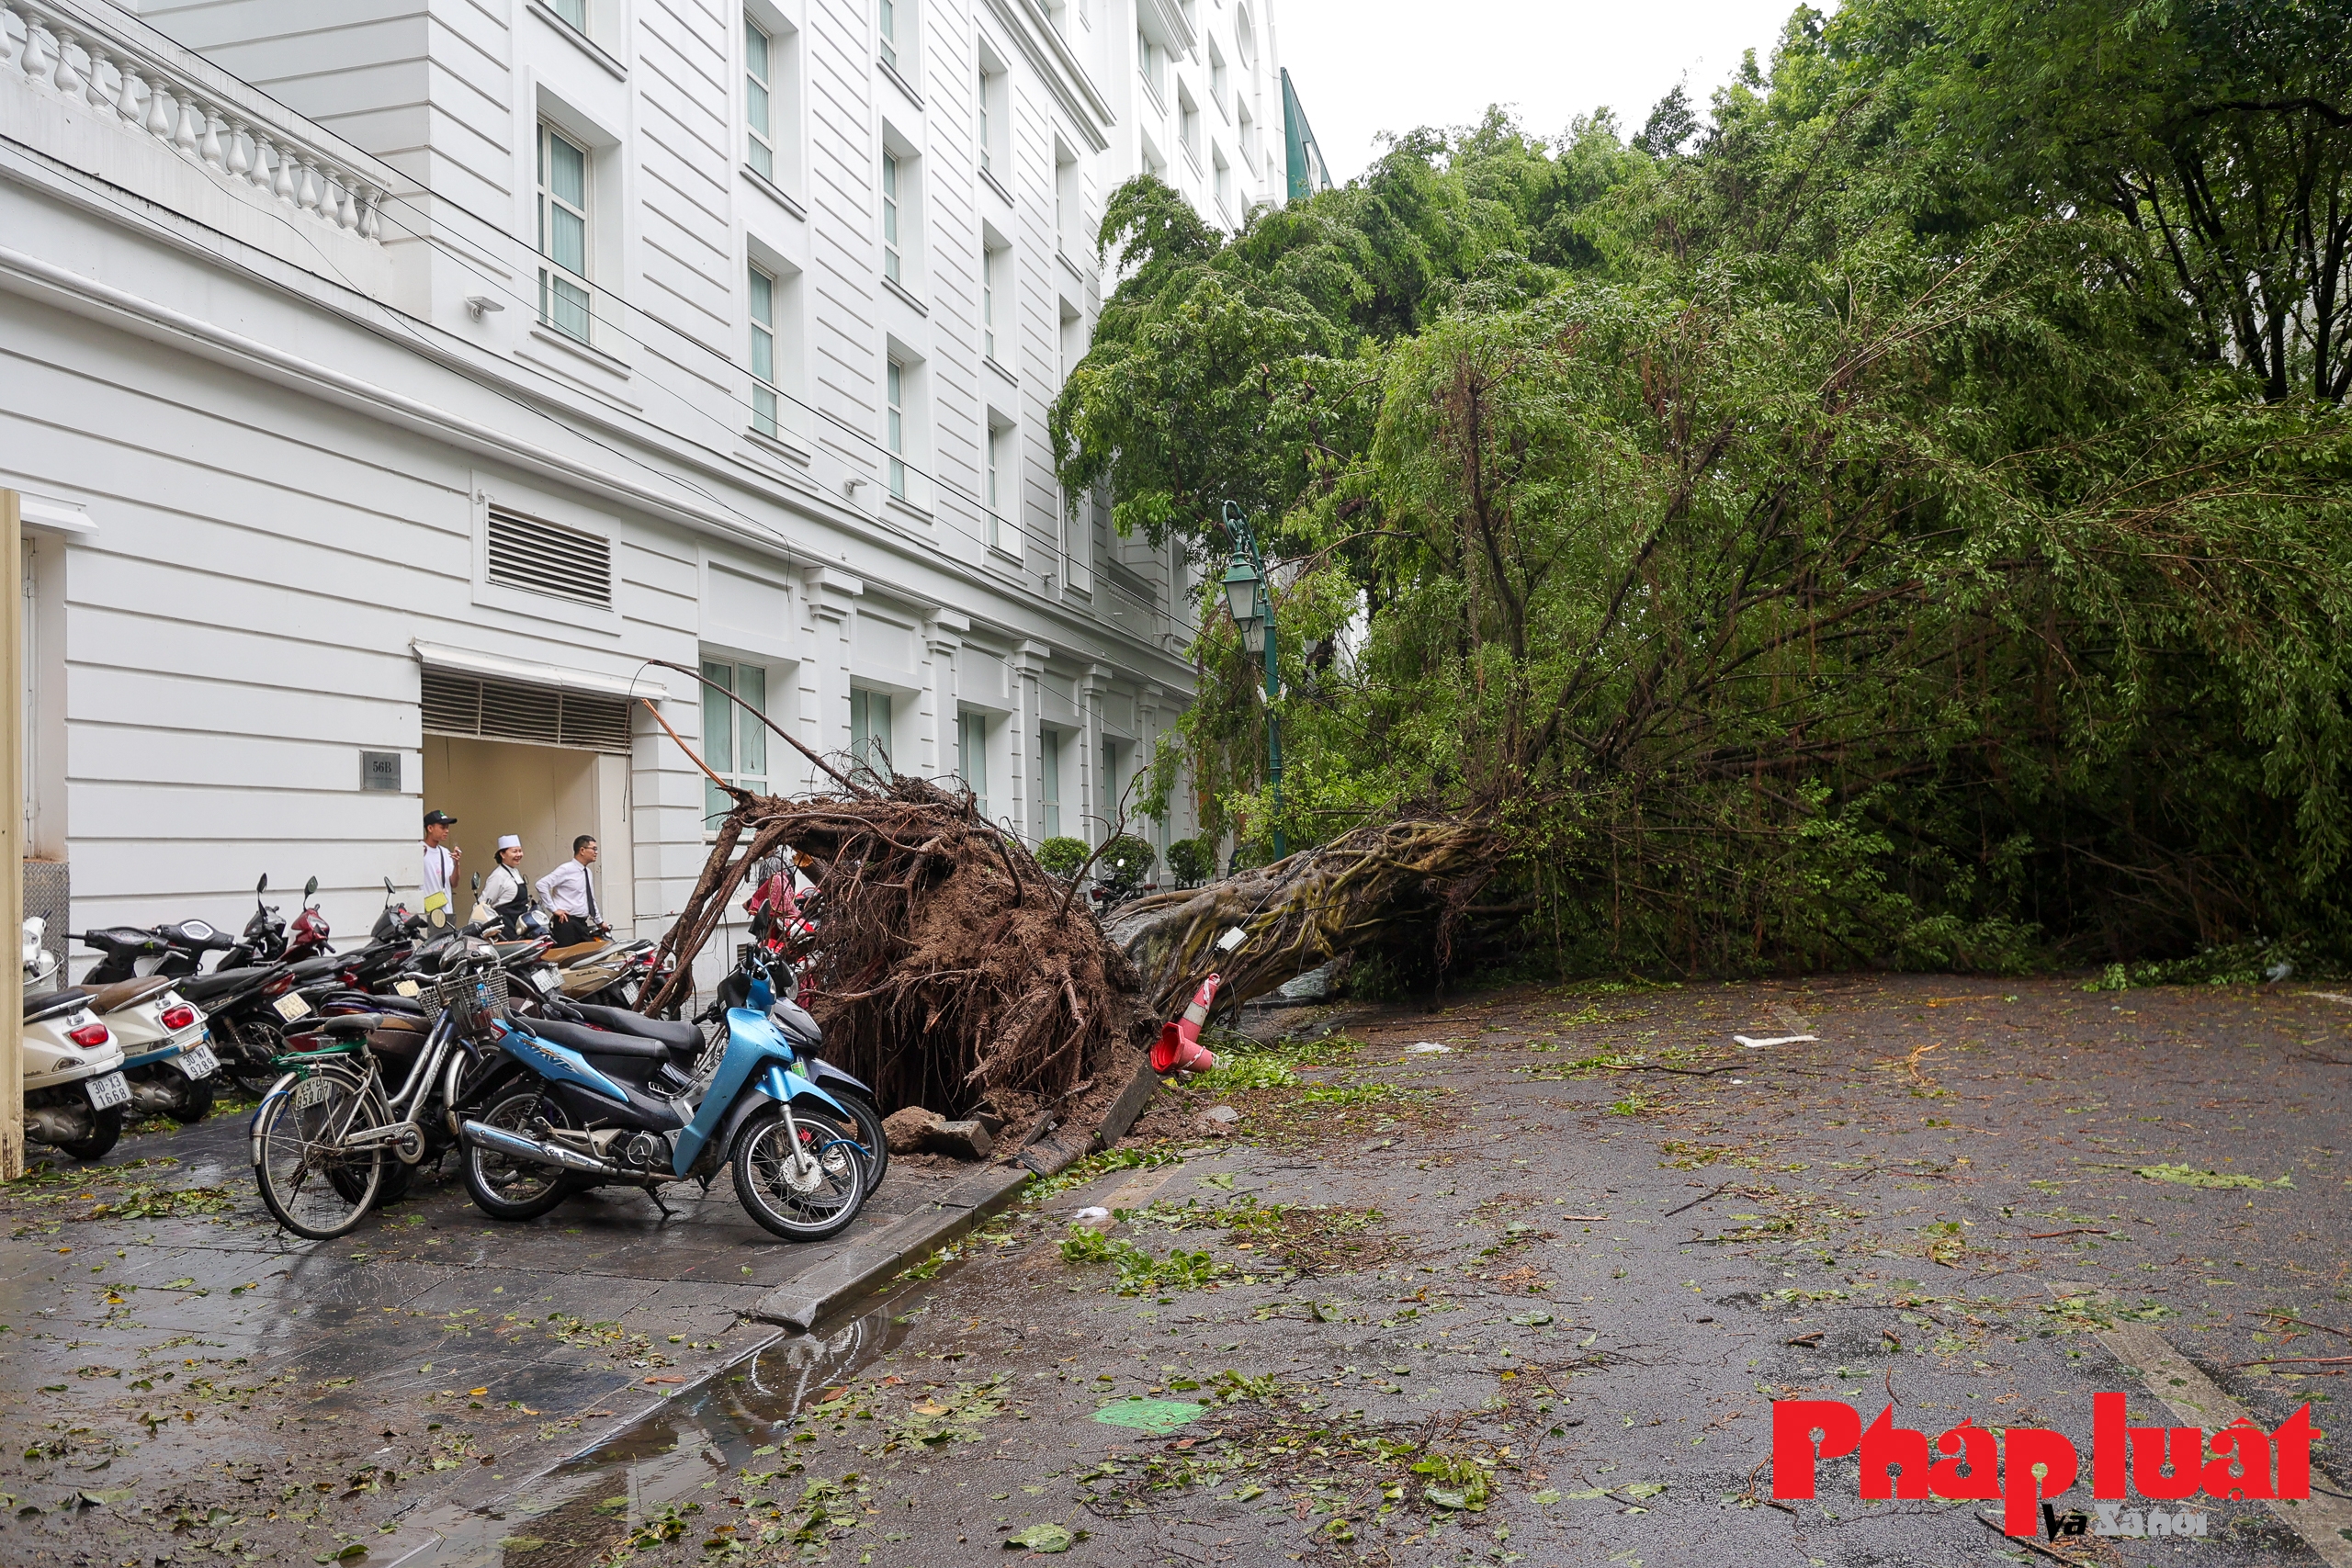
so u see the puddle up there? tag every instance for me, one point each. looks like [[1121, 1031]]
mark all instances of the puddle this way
[[569, 1516]]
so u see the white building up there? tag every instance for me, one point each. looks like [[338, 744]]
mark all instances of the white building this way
[[390, 383]]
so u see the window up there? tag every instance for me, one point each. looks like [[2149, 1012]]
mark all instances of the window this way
[[1068, 220], [869, 729], [1049, 780], [894, 433], [995, 481], [1148, 59], [734, 741], [891, 260], [573, 11], [1188, 124], [759, 99], [972, 757], [564, 292], [1216, 73], [992, 275], [888, 33], [1224, 184], [762, 301], [987, 120]]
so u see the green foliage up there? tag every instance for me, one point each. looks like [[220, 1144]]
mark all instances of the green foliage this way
[[1125, 864], [1140, 1273], [1898, 516], [1193, 861], [1062, 856]]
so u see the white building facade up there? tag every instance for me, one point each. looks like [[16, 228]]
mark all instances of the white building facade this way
[[389, 384]]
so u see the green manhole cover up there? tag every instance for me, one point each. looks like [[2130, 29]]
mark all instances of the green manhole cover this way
[[1154, 1415]]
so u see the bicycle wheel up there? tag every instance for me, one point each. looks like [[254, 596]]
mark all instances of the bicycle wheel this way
[[803, 1193], [312, 1185]]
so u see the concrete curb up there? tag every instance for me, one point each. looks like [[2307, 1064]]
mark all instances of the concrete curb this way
[[802, 1302]]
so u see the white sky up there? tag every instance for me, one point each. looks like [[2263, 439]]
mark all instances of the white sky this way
[[1366, 66]]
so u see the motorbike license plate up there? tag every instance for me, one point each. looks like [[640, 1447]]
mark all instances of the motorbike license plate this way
[[311, 1091], [292, 1006], [109, 1090], [405, 987], [197, 1062]]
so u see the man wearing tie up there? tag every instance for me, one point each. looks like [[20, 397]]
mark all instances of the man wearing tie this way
[[568, 891]]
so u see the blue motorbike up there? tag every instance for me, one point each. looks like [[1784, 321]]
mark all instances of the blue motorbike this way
[[646, 1102]]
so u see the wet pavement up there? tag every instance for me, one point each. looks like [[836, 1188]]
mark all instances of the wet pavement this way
[[1525, 1298], [170, 1353]]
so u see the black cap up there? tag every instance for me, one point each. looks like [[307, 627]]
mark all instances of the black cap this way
[[439, 819]]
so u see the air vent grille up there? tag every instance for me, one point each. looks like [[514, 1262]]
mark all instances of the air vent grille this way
[[546, 558], [503, 710]]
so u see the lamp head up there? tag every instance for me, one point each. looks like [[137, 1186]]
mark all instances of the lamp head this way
[[1242, 584]]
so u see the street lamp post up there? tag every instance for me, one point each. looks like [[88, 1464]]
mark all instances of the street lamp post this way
[[1248, 593]]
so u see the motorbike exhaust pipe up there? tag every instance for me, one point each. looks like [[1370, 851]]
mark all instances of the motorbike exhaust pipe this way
[[520, 1147]]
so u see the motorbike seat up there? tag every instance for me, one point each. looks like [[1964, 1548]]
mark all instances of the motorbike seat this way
[[684, 1041], [594, 1043], [126, 993], [342, 1026], [204, 988], [317, 969], [508, 951], [49, 1004], [565, 957]]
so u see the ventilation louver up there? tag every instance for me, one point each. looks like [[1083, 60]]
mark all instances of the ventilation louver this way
[[546, 558], [502, 710]]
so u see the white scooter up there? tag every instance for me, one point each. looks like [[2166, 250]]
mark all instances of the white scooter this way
[[75, 1095], [166, 1058]]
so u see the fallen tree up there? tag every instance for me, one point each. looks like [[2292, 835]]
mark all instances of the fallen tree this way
[[1409, 881], [952, 971]]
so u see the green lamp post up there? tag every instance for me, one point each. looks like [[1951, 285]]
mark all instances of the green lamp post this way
[[1248, 595]]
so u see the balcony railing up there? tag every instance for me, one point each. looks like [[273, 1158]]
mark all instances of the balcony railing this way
[[119, 70]]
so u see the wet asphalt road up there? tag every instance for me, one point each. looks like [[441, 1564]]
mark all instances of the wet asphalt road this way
[[1380, 1296]]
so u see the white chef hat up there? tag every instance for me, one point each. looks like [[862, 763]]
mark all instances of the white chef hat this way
[[509, 841]]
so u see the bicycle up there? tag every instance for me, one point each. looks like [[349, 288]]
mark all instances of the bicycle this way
[[326, 1138]]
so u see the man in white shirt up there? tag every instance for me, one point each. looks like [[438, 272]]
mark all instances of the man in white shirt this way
[[440, 866], [570, 892]]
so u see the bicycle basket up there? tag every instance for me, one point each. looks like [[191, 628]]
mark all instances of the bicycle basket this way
[[467, 998]]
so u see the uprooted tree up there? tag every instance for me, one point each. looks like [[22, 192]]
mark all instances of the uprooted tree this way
[[951, 970]]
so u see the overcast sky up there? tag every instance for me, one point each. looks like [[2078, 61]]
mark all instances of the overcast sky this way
[[1365, 66]]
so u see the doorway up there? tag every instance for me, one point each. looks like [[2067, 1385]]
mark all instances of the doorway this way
[[546, 795]]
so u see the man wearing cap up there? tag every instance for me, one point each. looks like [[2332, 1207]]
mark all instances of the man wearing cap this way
[[504, 891], [440, 866]]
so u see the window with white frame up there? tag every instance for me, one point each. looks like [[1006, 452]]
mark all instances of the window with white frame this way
[[1069, 218], [996, 480], [992, 117], [565, 294], [886, 28], [1049, 780], [1224, 181], [894, 427], [972, 756], [1149, 58], [993, 267], [734, 739], [760, 61], [573, 11], [893, 259], [1216, 73], [1188, 124], [869, 729], [762, 292]]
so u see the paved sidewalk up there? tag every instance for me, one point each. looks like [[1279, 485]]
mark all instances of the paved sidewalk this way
[[167, 1348]]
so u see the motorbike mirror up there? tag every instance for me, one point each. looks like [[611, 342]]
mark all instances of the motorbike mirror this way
[[1231, 940], [261, 887], [477, 882], [310, 888], [388, 890]]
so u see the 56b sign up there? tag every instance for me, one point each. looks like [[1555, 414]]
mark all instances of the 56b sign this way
[[2022, 1465]]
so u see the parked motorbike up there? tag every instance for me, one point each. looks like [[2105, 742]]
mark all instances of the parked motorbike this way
[[621, 1106], [171, 1069], [75, 1095], [752, 960]]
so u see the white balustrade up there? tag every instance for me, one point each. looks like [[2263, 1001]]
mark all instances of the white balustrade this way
[[54, 49]]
